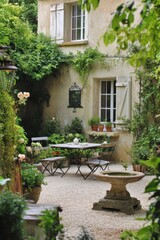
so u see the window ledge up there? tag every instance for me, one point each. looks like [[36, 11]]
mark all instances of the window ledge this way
[[110, 134], [65, 44]]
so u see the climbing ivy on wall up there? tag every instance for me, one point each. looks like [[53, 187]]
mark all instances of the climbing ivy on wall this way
[[83, 62]]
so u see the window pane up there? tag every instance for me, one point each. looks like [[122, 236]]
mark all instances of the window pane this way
[[114, 88], [73, 34], [108, 86], [78, 34], [103, 101], [73, 23], [108, 101], [114, 115], [83, 34], [108, 115], [114, 101], [78, 22], [74, 10], [83, 21], [102, 114], [103, 87], [78, 10]]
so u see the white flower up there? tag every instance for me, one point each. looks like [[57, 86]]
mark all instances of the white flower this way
[[21, 157], [36, 144], [26, 94], [20, 95], [29, 149], [36, 151], [21, 140]]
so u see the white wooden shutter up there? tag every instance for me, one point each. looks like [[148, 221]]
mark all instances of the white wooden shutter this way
[[57, 22], [123, 98]]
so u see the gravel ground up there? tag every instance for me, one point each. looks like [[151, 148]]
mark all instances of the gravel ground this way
[[76, 197]]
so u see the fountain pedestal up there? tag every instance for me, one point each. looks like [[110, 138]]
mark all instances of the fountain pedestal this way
[[118, 197]]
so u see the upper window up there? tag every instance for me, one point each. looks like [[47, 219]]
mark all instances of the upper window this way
[[108, 101], [78, 23], [68, 22]]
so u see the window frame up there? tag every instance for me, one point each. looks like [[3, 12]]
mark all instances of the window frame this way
[[112, 106], [82, 27]]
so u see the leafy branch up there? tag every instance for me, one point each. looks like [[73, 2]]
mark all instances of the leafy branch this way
[[84, 62]]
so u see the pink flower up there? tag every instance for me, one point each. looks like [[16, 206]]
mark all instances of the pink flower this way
[[26, 94], [20, 95], [21, 157]]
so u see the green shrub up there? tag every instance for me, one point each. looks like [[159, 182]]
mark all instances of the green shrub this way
[[56, 138], [51, 224], [12, 207], [21, 140], [75, 127], [70, 137], [31, 176], [52, 126]]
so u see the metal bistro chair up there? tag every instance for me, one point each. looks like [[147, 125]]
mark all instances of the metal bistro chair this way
[[103, 160]]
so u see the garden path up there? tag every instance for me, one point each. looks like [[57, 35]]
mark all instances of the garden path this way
[[76, 197]]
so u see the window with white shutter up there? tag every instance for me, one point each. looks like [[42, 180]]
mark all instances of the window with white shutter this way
[[68, 22], [115, 99]]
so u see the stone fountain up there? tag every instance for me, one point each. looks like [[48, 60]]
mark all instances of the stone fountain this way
[[118, 197]]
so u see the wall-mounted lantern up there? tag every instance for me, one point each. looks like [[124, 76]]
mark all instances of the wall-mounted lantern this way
[[75, 97]]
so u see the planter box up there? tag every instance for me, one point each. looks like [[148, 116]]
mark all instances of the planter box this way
[[32, 194], [139, 168]]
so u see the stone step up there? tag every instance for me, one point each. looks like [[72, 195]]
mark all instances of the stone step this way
[[31, 219]]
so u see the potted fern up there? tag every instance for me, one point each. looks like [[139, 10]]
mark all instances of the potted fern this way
[[94, 122]]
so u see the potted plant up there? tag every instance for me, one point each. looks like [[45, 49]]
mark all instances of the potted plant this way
[[94, 122], [108, 126], [140, 151], [32, 179], [33, 152]]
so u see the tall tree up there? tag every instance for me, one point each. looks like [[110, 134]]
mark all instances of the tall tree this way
[[29, 12]]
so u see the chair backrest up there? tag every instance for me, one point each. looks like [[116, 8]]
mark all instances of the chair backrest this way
[[107, 150], [42, 140]]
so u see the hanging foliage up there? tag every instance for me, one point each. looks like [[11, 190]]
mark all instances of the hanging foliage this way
[[84, 62]]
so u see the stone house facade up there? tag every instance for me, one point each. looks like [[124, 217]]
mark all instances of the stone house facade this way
[[110, 92]]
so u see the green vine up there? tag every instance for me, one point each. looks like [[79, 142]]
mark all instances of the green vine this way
[[84, 62], [144, 124], [7, 134]]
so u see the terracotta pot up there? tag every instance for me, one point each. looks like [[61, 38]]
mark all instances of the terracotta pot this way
[[109, 129], [100, 128], [94, 128], [32, 194]]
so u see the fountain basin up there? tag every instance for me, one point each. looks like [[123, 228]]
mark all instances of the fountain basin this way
[[119, 177], [118, 196]]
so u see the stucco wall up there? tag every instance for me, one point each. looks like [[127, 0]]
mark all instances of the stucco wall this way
[[58, 86], [59, 90]]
